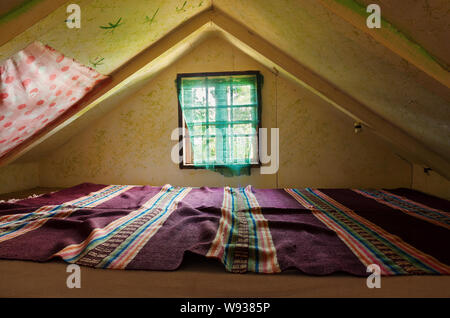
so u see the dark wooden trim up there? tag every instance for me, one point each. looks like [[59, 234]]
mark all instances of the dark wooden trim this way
[[180, 122], [253, 165], [228, 73]]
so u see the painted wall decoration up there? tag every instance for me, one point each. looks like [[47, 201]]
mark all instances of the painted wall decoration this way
[[97, 61], [112, 26], [115, 30], [152, 19], [37, 85]]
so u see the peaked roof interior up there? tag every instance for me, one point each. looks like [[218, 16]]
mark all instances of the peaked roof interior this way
[[395, 79]]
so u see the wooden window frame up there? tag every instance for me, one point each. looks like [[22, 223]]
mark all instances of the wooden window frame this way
[[184, 139]]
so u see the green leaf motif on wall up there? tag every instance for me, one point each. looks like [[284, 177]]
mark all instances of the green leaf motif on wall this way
[[182, 9], [97, 61], [112, 26], [152, 19]]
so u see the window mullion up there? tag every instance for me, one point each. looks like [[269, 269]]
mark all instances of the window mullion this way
[[228, 129], [230, 125], [220, 97]]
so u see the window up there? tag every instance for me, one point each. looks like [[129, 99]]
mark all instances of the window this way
[[221, 112]]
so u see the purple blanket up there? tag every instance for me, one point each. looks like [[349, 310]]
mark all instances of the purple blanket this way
[[317, 231]]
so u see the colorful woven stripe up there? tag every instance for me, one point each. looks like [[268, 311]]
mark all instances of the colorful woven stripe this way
[[224, 232], [267, 255], [243, 241], [415, 209], [116, 245], [370, 243], [19, 224]]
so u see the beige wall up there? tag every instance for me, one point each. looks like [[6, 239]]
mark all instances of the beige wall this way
[[131, 144], [20, 176], [431, 183], [90, 42], [306, 30], [318, 147], [354, 62]]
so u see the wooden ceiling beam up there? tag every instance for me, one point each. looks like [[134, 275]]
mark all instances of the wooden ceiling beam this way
[[435, 76], [256, 45], [193, 27], [20, 19]]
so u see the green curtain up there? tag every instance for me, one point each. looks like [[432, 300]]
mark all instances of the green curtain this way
[[221, 114]]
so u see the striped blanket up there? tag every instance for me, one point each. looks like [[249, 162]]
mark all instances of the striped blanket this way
[[317, 231]]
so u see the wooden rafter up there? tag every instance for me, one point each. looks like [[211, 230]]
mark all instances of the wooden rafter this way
[[13, 27], [257, 45], [437, 78], [120, 74]]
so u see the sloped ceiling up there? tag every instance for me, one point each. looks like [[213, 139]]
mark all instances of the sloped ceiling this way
[[147, 68], [16, 16], [7, 6], [353, 61], [116, 46], [426, 22], [306, 30]]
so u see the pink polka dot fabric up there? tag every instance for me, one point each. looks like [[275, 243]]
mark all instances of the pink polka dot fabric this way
[[37, 85]]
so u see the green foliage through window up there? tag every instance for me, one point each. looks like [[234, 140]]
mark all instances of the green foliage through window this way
[[221, 113]]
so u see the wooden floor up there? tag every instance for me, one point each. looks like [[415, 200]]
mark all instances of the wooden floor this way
[[198, 277]]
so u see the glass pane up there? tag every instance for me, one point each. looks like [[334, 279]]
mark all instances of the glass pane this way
[[242, 147], [211, 130], [222, 95], [212, 114], [235, 146], [212, 150], [192, 82], [254, 149], [220, 141], [242, 95], [186, 98], [194, 116], [244, 113], [244, 80], [243, 129], [193, 92], [197, 147], [197, 130], [211, 96], [199, 96]]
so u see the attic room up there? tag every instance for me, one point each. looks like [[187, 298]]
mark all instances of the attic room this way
[[224, 148]]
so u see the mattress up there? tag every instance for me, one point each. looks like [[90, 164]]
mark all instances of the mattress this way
[[202, 277], [313, 231]]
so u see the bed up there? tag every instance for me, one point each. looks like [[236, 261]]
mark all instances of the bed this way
[[268, 231]]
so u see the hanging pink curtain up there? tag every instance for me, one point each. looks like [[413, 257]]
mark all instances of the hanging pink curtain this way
[[37, 85]]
